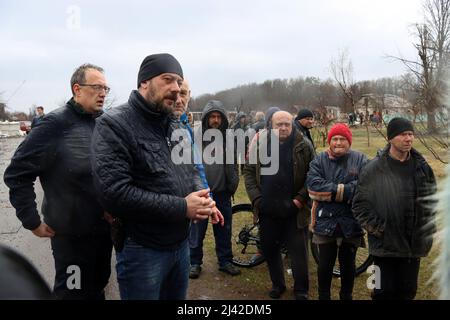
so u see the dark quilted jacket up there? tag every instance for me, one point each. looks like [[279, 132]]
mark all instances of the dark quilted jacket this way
[[57, 151], [136, 177]]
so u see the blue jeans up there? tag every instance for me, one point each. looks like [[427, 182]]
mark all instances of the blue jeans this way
[[148, 274], [222, 235]]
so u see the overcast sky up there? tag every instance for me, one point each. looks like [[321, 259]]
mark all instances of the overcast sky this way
[[220, 44]]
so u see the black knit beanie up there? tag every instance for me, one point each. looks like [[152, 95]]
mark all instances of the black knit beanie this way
[[397, 126], [304, 113], [156, 64]]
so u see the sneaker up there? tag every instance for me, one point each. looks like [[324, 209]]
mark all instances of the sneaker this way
[[257, 258], [230, 269], [276, 292], [194, 272]]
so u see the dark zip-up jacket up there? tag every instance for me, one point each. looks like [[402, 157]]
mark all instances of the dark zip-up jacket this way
[[57, 151], [305, 132], [136, 178], [377, 205], [302, 155]]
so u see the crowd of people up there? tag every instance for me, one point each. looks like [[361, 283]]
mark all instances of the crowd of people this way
[[109, 179]]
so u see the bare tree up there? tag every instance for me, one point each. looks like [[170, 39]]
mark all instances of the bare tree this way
[[342, 71], [32, 112], [3, 113], [431, 68]]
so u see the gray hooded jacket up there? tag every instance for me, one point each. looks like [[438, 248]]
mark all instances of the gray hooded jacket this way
[[221, 177]]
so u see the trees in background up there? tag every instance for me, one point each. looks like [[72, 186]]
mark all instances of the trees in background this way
[[309, 92], [429, 72]]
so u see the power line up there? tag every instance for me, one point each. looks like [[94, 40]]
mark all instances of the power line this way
[[17, 90]]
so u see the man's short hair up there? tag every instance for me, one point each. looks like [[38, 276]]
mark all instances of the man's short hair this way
[[79, 76], [40, 107], [259, 116]]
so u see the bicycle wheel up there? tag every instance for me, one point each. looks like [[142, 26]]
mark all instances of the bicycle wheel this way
[[245, 237], [362, 261]]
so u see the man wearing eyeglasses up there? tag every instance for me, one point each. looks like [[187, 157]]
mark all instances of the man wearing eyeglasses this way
[[57, 151]]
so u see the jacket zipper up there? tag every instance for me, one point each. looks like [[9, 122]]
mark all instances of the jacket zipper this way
[[169, 146]]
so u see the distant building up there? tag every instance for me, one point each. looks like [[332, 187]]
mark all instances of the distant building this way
[[10, 129], [388, 104], [333, 112]]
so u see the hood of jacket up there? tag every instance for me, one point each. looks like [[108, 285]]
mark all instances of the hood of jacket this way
[[268, 116], [240, 115], [214, 106]]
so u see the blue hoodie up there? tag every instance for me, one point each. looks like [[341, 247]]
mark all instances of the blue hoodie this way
[[199, 166]]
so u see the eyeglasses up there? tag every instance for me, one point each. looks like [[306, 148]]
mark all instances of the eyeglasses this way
[[97, 87]]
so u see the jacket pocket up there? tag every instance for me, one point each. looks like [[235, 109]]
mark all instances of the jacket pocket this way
[[154, 157]]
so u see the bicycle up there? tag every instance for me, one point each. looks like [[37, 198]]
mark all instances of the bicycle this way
[[246, 242]]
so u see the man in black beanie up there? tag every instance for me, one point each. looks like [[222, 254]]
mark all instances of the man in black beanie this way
[[304, 122], [393, 203], [153, 198]]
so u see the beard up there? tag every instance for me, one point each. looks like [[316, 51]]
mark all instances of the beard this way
[[159, 105]]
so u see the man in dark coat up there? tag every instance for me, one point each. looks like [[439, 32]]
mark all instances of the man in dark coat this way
[[280, 202], [304, 123], [57, 151], [139, 182], [393, 203]]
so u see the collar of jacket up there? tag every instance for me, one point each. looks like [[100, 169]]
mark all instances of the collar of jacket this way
[[298, 139], [213, 107], [75, 106], [420, 160], [148, 110], [333, 156]]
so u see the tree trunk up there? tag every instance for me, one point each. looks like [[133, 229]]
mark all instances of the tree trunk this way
[[431, 122], [368, 134]]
